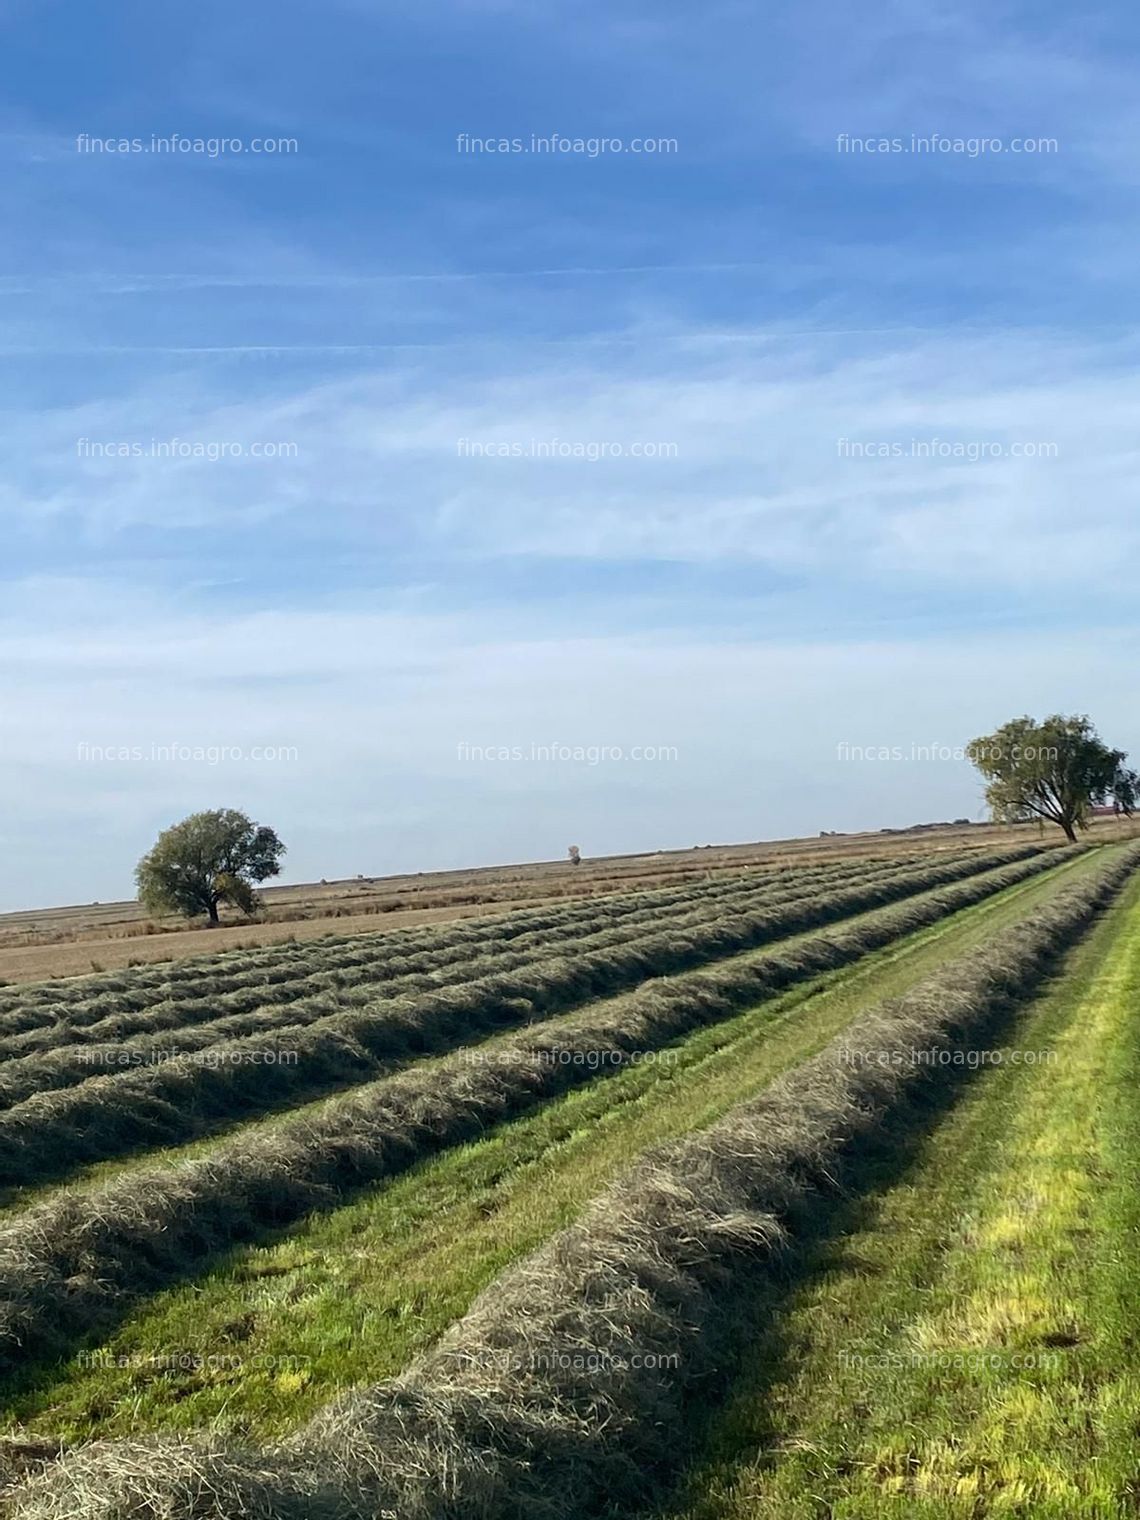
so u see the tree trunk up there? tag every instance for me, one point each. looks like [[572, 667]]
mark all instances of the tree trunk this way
[[1070, 831], [213, 911]]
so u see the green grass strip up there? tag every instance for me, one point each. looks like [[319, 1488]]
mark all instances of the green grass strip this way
[[968, 1347]]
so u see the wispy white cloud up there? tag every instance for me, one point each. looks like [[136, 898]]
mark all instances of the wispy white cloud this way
[[1006, 459]]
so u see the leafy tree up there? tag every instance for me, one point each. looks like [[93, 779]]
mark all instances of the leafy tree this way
[[1056, 770], [1125, 791], [207, 859]]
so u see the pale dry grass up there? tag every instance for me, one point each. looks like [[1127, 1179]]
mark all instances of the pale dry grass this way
[[38, 963], [80, 1258]]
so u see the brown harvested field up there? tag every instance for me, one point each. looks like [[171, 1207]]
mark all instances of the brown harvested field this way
[[74, 940], [91, 950]]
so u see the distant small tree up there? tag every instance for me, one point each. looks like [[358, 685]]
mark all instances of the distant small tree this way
[[1125, 791], [575, 855], [208, 859], [1054, 770]]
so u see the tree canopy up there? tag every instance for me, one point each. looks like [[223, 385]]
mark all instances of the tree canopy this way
[[208, 859], [1058, 770]]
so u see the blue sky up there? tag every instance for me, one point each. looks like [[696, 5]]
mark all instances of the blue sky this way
[[864, 422]]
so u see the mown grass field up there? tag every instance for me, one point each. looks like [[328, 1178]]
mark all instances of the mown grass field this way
[[609, 1208], [963, 1339], [92, 937]]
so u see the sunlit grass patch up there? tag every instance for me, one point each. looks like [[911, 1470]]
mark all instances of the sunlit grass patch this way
[[966, 1347]]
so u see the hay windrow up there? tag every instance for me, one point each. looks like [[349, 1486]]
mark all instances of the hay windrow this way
[[242, 976], [79, 1260], [44, 1058], [562, 1392], [50, 1134]]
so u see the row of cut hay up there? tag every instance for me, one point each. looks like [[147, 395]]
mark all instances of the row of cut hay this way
[[232, 973], [108, 1046], [574, 889], [80, 1259], [200, 986], [253, 961], [236, 969], [353, 971], [359, 975], [563, 1393], [174, 1101], [256, 964], [48, 1058]]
